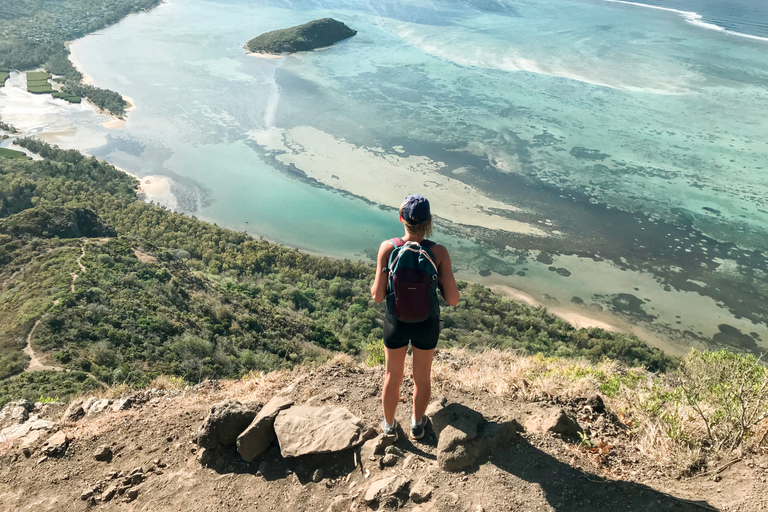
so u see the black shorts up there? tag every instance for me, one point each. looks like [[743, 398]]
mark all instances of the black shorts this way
[[422, 335]]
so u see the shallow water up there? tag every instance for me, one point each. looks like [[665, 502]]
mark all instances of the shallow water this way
[[630, 140]]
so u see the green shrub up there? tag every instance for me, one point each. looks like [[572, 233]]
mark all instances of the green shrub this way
[[728, 391]]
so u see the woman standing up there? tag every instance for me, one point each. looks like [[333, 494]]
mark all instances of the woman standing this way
[[422, 335]]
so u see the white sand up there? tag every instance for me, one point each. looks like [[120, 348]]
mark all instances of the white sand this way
[[386, 178], [265, 55]]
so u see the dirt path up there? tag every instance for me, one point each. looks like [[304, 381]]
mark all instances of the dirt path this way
[[75, 275], [35, 364]]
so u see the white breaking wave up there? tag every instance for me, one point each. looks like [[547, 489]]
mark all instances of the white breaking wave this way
[[460, 49], [693, 18]]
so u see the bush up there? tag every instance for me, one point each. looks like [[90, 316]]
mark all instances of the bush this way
[[728, 391]]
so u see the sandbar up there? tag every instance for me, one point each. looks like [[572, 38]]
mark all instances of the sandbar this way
[[385, 177]]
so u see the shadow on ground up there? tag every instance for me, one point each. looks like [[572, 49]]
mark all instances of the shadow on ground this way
[[568, 489]]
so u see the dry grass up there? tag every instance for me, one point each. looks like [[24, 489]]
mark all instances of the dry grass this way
[[507, 374]]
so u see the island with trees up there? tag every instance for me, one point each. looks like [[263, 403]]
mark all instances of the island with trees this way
[[301, 38]]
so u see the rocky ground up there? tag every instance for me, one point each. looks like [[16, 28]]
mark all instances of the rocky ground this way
[[482, 452]]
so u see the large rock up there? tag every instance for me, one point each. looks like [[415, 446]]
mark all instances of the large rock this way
[[224, 423], [465, 436], [56, 445], [74, 412], [305, 430], [387, 488], [15, 413], [553, 420], [257, 437], [22, 430]]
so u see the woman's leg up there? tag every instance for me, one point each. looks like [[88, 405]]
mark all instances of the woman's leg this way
[[422, 381], [395, 363]]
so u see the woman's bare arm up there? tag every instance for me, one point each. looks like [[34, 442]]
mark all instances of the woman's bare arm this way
[[447, 281], [379, 288]]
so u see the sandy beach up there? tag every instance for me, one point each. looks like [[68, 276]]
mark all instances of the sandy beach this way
[[265, 55], [389, 177]]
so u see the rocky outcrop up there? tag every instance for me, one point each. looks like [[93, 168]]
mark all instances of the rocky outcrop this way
[[309, 430], [301, 38], [225, 422], [257, 437], [465, 437]]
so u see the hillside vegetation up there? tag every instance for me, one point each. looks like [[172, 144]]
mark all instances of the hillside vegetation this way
[[301, 38], [167, 293]]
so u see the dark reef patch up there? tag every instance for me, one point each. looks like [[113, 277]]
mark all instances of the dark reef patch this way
[[588, 154]]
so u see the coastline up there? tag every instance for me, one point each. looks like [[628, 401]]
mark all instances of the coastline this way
[[114, 122], [580, 318]]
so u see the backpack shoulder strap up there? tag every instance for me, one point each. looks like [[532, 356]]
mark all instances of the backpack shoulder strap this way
[[397, 242], [428, 244]]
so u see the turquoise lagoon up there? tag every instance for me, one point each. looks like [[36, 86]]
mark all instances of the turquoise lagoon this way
[[606, 158]]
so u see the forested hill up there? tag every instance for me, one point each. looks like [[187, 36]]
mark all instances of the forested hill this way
[[120, 291], [33, 34]]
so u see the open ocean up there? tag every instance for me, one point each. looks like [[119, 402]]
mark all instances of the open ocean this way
[[607, 158]]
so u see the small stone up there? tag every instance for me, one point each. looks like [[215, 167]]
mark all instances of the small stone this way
[[103, 453], [109, 493], [132, 494], [137, 470], [42, 459], [112, 475], [317, 476], [421, 492], [389, 460], [169, 439], [86, 494], [26, 451], [65, 476], [262, 468], [479, 508], [394, 450], [717, 478]]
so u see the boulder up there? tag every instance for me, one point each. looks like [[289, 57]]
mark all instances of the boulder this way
[[15, 413], [553, 420], [306, 430], [465, 436], [97, 406], [385, 488], [224, 423], [74, 412], [257, 437], [56, 445], [21, 430]]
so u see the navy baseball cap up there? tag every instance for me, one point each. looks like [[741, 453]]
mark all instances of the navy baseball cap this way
[[415, 209]]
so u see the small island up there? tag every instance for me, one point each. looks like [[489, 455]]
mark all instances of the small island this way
[[301, 38]]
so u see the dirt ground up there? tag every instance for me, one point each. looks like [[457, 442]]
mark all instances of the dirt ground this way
[[536, 472]]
